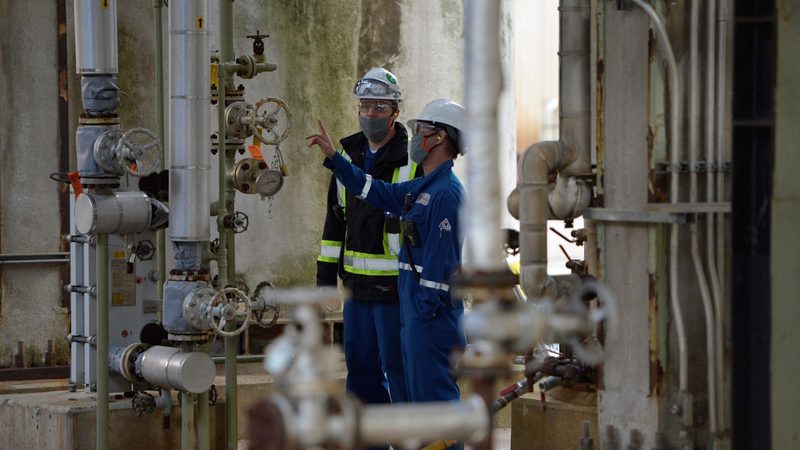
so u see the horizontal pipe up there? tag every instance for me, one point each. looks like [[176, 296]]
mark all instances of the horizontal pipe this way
[[399, 424], [34, 258]]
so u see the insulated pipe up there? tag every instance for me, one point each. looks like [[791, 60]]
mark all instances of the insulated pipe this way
[[189, 125], [694, 149], [537, 163], [574, 86], [101, 267], [95, 37], [483, 83], [674, 143]]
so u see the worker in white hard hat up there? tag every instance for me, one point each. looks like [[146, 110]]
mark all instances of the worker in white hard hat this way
[[432, 242], [360, 244]]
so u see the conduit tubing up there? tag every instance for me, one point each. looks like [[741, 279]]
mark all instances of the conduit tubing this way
[[694, 149], [713, 172], [674, 143], [161, 241], [483, 83], [101, 267], [722, 48]]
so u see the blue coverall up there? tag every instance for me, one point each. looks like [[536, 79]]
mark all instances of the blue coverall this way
[[431, 325]]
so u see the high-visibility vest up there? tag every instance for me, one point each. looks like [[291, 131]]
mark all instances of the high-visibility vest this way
[[383, 264]]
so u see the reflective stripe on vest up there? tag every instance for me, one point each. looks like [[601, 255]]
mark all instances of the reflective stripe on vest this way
[[329, 251], [369, 264]]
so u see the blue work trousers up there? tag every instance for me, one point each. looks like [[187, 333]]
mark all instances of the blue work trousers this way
[[372, 351]]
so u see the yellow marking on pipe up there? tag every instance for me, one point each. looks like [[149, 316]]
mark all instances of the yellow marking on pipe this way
[[201, 22], [119, 254], [104, 3]]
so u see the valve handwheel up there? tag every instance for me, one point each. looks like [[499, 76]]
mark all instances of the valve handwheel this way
[[227, 304], [267, 117], [138, 152]]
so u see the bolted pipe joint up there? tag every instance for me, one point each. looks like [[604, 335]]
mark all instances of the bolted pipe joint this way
[[569, 198]]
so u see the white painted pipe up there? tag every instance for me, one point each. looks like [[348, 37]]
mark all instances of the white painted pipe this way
[[674, 238], [401, 424], [574, 104], [711, 73], [189, 121], [694, 149], [722, 95], [483, 83]]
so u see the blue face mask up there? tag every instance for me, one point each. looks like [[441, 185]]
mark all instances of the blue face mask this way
[[374, 128]]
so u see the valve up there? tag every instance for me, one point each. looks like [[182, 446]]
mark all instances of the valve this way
[[258, 44], [265, 117], [105, 150], [230, 307], [237, 222], [269, 313], [138, 152], [143, 250], [143, 403], [604, 312]]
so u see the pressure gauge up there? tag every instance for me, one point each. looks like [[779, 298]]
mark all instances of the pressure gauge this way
[[269, 182]]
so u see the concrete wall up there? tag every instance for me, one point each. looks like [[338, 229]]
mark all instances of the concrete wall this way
[[785, 241], [30, 295]]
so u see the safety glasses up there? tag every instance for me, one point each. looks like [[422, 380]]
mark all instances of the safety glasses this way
[[369, 87], [424, 127], [378, 107]]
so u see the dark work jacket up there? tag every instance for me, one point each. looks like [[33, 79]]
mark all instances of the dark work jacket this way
[[362, 229]]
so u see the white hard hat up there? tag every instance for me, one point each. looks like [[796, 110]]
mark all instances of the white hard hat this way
[[379, 84], [449, 115]]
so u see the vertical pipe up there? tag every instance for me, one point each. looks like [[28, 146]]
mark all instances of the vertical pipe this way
[[101, 292], [203, 414], [674, 144], [722, 73], [483, 80], [713, 272], [574, 47], [161, 242], [189, 122], [694, 149], [231, 342], [187, 421]]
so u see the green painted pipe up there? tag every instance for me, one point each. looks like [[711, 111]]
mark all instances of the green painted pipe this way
[[188, 424], [231, 343], [101, 295], [161, 243], [240, 358], [203, 414]]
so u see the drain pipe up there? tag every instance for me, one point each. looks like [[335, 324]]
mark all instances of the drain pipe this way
[[685, 406], [694, 149]]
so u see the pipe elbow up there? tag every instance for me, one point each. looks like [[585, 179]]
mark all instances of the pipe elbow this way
[[539, 160], [569, 198]]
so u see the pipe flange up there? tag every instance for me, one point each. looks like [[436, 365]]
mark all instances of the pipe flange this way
[[235, 126], [196, 307]]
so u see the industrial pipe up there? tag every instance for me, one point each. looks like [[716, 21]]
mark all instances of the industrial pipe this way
[[483, 84], [674, 238], [400, 424], [161, 242], [101, 268], [694, 144], [574, 98], [95, 37]]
